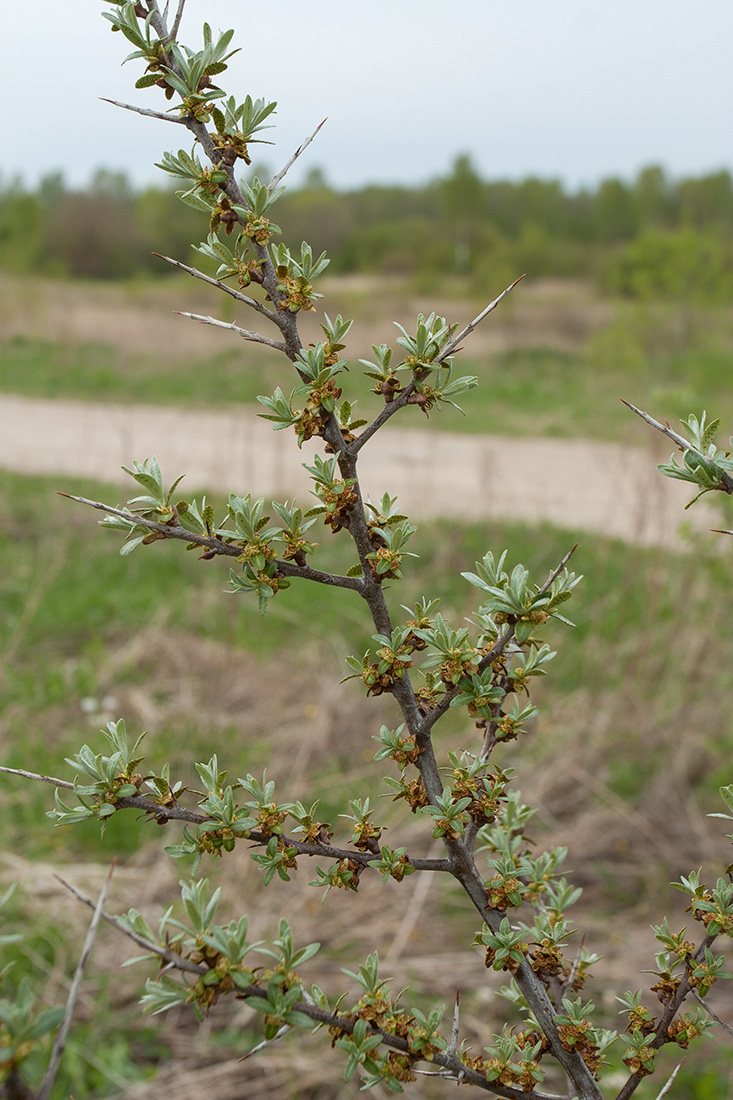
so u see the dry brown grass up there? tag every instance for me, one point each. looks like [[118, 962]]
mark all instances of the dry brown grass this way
[[140, 318], [623, 856]]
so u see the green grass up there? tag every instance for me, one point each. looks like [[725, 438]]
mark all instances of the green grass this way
[[645, 673], [100, 372], [645, 354], [68, 599]]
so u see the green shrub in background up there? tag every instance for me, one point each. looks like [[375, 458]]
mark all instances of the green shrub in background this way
[[685, 265]]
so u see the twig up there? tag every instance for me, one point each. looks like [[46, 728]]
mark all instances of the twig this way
[[177, 20], [670, 1080], [453, 1044], [41, 778], [660, 1037], [236, 294], [59, 1043], [708, 1009], [717, 531], [450, 1062], [287, 323], [165, 953], [403, 398], [576, 963], [176, 812], [453, 1066], [496, 650], [487, 747], [246, 334], [211, 542], [682, 443], [443, 1075], [145, 111], [301, 149], [557, 570], [453, 344], [726, 481], [219, 546], [266, 1042]]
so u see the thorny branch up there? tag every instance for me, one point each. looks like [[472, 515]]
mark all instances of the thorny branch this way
[[172, 958], [145, 111], [218, 545], [403, 398], [670, 1080], [301, 149], [660, 1037], [246, 334], [708, 1009], [236, 294], [449, 1061], [462, 865], [165, 812], [399, 402], [499, 646], [665, 429], [284, 320], [452, 346], [726, 481], [40, 778], [177, 20]]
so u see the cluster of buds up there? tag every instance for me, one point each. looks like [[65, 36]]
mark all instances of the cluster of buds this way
[[223, 214], [547, 962], [486, 791], [365, 834], [340, 502], [338, 496], [260, 230], [380, 676], [684, 1029], [514, 1061], [412, 790], [297, 292], [343, 875], [579, 1037], [373, 1016], [233, 147]]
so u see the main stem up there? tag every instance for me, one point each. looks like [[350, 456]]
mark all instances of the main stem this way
[[463, 866]]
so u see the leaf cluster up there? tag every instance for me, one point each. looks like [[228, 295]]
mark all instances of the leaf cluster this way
[[703, 463]]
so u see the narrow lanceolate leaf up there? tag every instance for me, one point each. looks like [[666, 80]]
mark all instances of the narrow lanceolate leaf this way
[[192, 198]]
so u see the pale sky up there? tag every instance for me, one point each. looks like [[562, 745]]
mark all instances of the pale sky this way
[[572, 89]]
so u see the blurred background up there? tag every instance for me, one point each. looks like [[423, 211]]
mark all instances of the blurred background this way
[[586, 146]]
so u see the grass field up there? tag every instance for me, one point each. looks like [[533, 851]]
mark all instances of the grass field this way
[[552, 360], [633, 739]]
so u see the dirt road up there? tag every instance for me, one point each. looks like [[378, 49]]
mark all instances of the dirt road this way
[[578, 485]]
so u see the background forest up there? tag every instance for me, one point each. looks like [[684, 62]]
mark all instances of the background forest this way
[[654, 236]]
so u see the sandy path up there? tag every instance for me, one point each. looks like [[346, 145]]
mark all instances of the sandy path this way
[[579, 485]]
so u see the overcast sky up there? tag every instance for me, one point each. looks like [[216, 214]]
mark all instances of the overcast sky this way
[[572, 89]]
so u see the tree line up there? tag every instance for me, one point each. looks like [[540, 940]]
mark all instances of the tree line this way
[[653, 236]]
